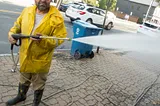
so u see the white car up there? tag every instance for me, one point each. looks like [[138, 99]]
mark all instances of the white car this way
[[149, 29], [90, 14]]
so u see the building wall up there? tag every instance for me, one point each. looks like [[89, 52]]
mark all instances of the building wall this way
[[123, 16], [123, 6], [138, 10]]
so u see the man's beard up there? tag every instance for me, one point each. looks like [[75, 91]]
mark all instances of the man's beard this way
[[43, 6]]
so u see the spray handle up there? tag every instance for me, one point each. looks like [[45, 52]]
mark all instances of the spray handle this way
[[19, 36]]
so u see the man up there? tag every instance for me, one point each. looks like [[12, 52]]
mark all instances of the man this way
[[36, 54]]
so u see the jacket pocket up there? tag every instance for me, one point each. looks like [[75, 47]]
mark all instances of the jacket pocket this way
[[41, 66]]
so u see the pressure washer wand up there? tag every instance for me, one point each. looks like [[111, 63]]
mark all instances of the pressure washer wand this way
[[20, 36], [49, 37]]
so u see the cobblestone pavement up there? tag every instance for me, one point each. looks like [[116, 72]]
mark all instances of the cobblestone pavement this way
[[109, 79]]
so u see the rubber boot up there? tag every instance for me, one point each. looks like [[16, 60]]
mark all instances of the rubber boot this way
[[21, 96], [37, 97]]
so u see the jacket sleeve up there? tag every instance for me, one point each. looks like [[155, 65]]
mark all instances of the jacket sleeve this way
[[59, 32], [17, 25]]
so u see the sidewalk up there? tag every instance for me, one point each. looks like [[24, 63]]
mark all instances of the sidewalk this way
[[109, 79]]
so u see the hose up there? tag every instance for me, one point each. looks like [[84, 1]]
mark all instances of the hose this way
[[14, 62], [145, 90], [67, 89]]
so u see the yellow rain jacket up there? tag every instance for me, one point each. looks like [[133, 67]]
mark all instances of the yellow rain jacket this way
[[36, 57]]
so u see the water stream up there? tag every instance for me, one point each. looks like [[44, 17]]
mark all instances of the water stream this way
[[125, 42]]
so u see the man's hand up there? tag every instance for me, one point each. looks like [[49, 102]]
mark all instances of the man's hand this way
[[12, 40], [34, 39]]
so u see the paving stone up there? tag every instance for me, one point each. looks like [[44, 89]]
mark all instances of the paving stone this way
[[73, 93], [105, 101], [89, 97], [76, 98], [82, 95], [82, 90], [91, 102], [78, 103], [122, 98], [5, 94], [62, 103], [53, 101], [91, 92], [4, 99], [123, 104], [147, 101], [97, 98], [66, 98], [99, 104], [56, 105], [74, 104], [12, 92], [99, 95], [82, 101], [2, 104]]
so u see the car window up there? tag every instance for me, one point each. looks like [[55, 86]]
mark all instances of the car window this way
[[150, 25], [75, 6], [81, 7], [102, 13], [78, 6], [97, 12], [90, 10], [71, 4], [94, 11]]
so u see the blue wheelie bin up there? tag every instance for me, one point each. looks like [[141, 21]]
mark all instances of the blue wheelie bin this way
[[83, 29]]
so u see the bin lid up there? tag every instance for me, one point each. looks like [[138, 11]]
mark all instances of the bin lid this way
[[85, 24]]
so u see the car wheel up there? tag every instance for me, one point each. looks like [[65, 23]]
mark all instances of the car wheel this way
[[89, 21], [109, 26]]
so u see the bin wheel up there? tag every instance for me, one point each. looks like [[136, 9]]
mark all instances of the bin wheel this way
[[91, 55], [89, 21], [71, 19], [87, 54], [77, 55]]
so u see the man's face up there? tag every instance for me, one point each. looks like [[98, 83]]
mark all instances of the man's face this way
[[43, 5]]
